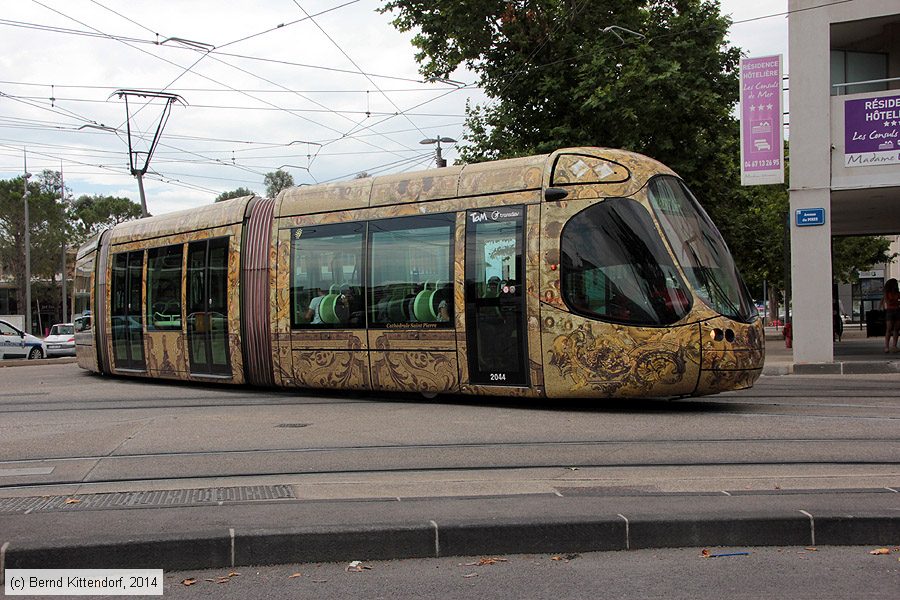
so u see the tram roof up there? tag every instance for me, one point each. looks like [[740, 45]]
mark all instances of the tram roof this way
[[208, 216], [622, 172], [572, 165]]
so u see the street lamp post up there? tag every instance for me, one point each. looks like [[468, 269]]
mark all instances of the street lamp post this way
[[439, 160], [25, 195]]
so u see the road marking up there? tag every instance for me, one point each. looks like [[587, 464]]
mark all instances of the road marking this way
[[726, 493], [231, 533], [3, 562], [21, 472], [812, 527], [437, 540], [627, 533]]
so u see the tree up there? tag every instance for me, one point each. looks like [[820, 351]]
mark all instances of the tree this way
[[853, 254], [238, 193], [277, 181], [46, 227], [90, 214], [555, 79]]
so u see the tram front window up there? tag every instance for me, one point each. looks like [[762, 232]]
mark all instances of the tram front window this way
[[615, 268], [700, 249]]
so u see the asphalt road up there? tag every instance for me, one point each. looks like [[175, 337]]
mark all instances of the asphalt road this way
[[64, 430], [113, 472], [680, 574]]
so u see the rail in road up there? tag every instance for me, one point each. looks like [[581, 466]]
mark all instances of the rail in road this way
[[71, 428], [256, 475]]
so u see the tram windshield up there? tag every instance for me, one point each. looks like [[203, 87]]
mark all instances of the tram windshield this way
[[614, 267], [700, 249]]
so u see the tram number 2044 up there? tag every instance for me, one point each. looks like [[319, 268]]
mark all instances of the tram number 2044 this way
[[498, 376]]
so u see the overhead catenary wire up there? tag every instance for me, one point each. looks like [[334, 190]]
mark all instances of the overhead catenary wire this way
[[343, 136], [429, 128]]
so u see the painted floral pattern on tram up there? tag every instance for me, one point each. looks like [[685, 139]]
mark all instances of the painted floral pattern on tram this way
[[331, 369], [421, 371], [589, 358]]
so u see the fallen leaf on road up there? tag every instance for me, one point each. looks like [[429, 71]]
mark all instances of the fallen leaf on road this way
[[72, 500], [812, 549], [188, 581], [880, 551], [566, 557], [295, 575], [704, 553], [470, 575], [486, 561], [233, 574]]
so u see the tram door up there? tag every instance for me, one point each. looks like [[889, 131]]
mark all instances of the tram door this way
[[495, 297], [125, 311], [207, 302]]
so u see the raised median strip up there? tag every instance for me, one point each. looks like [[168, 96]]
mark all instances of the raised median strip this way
[[266, 532]]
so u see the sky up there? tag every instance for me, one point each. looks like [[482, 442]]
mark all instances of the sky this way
[[323, 89]]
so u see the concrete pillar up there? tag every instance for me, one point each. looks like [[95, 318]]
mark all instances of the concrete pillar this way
[[810, 185], [811, 279]]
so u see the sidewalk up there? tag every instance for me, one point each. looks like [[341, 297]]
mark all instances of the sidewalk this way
[[855, 354], [280, 531]]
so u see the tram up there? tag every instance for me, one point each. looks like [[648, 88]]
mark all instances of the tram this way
[[584, 273]]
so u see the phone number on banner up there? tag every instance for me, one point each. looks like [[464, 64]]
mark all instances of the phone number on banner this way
[[749, 164]]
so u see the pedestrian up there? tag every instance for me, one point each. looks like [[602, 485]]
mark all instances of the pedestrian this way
[[890, 303]]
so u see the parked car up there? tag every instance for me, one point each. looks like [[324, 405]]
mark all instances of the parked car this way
[[61, 341], [15, 343]]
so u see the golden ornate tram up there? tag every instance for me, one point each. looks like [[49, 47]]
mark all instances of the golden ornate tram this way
[[588, 272]]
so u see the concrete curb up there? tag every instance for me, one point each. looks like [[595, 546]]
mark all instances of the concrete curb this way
[[778, 524], [24, 362], [835, 368]]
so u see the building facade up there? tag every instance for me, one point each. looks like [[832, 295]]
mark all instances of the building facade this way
[[844, 69]]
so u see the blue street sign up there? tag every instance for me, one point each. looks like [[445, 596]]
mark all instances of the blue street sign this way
[[810, 216]]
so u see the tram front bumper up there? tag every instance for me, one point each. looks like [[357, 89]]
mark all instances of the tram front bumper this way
[[731, 355]]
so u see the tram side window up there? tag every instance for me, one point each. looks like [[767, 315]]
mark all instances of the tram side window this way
[[616, 268], [164, 275], [411, 270], [326, 277], [82, 294]]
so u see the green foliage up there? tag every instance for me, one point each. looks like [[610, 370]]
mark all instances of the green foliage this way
[[849, 255], [47, 219], [238, 193], [276, 181], [556, 80], [91, 214]]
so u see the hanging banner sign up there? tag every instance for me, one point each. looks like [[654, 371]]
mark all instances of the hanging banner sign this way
[[762, 150], [872, 131]]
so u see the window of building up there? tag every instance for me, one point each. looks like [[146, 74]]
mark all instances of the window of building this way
[[615, 267], [851, 67], [164, 268], [327, 276], [412, 271]]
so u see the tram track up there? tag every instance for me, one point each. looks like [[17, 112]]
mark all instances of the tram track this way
[[400, 459]]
